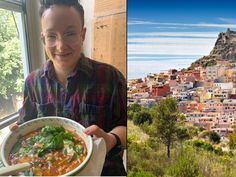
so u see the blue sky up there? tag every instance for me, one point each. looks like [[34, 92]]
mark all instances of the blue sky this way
[[158, 29], [195, 23]]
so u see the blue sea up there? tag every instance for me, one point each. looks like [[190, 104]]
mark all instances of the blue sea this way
[[140, 66]]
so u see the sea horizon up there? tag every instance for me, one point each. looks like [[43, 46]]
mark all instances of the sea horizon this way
[[140, 67]]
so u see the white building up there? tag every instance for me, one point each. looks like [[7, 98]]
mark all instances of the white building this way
[[224, 86]]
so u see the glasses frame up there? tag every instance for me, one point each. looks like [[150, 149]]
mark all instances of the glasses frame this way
[[62, 37]]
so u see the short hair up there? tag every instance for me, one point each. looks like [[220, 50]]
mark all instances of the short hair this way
[[46, 4]]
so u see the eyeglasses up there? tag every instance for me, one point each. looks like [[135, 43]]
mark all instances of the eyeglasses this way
[[70, 38]]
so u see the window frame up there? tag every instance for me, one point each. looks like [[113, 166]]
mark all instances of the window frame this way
[[14, 5], [31, 49], [17, 6]]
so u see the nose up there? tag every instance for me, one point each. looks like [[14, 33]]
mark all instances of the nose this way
[[61, 44]]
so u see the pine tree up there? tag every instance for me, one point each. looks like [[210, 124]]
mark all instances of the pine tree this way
[[166, 121]]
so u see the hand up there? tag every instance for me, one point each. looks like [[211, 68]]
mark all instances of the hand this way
[[13, 126], [98, 132], [95, 131]]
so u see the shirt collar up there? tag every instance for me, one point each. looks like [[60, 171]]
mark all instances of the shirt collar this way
[[84, 66], [48, 70]]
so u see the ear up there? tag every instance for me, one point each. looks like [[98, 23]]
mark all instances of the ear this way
[[41, 35], [83, 33]]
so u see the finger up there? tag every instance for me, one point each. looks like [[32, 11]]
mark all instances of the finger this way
[[13, 126], [95, 137], [86, 131], [91, 129]]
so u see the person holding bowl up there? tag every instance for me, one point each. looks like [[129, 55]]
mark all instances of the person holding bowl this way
[[73, 86]]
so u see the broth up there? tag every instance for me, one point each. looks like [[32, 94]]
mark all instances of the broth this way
[[52, 150]]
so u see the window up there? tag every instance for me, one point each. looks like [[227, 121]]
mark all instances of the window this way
[[13, 60], [13, 56]]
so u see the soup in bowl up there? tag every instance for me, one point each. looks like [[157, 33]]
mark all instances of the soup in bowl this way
[[53, 145]]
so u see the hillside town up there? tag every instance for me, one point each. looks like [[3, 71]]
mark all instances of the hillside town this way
[[207, 96]]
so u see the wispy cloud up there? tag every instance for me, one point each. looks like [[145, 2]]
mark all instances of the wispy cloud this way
[[228, 20], [165, 41], [210, 25], [177, 48], [158, 57], [141, 22], [172, 43], [176, 34], [170, 27]]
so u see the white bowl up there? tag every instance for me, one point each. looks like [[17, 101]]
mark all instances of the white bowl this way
[[12, 138]]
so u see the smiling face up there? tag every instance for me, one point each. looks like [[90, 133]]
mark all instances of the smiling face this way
[[63, 35]]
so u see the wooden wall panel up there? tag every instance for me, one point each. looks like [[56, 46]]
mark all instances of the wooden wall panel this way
[[118, 42], [102, 39], [109, 44], [103, 7]]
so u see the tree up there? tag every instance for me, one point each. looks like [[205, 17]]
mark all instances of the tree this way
[[141, 117], [132, 110], [11, 70], [214, 137], [166, 121], [182, 134], [134, 107], [130, 114]]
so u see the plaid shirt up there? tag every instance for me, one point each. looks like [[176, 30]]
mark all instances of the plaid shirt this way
[[95, 94]]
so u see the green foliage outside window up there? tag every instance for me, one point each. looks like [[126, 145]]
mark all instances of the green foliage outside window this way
[[11, 70], [11, 67]]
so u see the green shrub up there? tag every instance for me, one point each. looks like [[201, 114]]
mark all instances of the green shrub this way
[[203, 134], [183, 134], [232, 141], [140, 173], [218, 151], [141, 117], [208, 147], [153, 143], [130, 139], [198, 143], [201, 129], [214, 137], [185, 166], [134, 107], [130, 114]]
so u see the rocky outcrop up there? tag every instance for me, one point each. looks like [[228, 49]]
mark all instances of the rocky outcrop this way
[[225, 46], [224, 49]]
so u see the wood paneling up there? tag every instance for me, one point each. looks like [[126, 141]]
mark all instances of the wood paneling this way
[[109, 44], [106, 7]]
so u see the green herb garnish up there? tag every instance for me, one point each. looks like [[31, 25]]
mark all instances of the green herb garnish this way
[[51, 138]]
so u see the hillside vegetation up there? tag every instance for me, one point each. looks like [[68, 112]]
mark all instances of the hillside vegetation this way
[[194, 152]]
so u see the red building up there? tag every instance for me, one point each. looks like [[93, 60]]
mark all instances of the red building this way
[[193, 73], [232, 96], [160, 90]]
